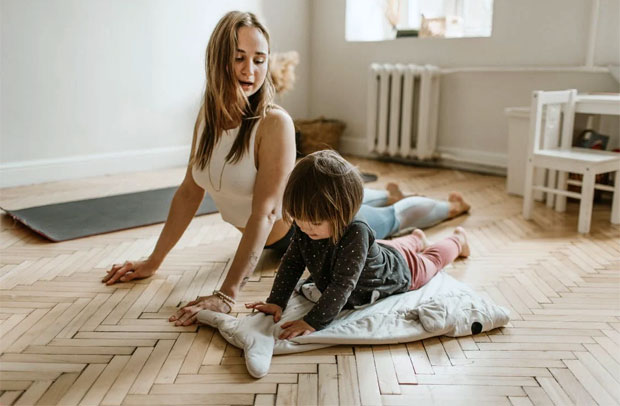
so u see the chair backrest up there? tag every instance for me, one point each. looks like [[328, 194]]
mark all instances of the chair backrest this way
[[553, 106]]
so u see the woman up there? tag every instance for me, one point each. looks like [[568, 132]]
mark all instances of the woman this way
[[243, 150]]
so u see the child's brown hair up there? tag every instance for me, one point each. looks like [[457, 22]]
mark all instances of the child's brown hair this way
[[324, 187]]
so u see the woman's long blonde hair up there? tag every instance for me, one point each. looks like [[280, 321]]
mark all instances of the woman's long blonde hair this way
[[224, 100]]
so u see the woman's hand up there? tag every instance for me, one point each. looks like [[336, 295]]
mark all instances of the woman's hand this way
[[187, 314], [267, 308], [129, 270], [295, 328]]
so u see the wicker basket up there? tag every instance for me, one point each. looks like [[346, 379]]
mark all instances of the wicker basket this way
[[318, 134]]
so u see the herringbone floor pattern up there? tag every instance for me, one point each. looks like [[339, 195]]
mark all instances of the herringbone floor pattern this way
[[67, 339]]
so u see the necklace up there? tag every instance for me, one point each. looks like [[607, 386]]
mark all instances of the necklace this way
[[217, 189]]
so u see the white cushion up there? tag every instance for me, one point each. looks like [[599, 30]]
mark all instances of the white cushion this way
[[444, 306]]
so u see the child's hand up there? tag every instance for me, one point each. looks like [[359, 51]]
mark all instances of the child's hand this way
[[295, 328], [267, 308]]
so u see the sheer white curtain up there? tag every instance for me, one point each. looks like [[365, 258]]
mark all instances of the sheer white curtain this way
[[366, 21]]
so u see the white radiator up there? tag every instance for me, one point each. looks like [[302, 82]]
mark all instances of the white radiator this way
[[403, 102]]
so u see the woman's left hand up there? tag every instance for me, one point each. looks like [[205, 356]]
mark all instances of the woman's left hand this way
[[187, 314], [295, 328]]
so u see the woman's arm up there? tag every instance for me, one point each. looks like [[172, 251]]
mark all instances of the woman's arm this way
[[184, 205], [276, 159]]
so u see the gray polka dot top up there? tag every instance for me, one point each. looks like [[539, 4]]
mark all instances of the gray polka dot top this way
[[346, 273]]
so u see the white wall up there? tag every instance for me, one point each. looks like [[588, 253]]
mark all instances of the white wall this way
[[90, 87], [289, 24], [472, 125]]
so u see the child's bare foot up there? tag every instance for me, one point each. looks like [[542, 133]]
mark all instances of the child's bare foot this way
[[460, 233], [458, 205], [422, 237]]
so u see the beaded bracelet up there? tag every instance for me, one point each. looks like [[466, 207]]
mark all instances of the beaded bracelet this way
[[225, 298]]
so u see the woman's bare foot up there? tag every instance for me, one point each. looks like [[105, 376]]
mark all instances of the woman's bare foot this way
[[460, 233], [458, 205], [394, 193], [422, 237]]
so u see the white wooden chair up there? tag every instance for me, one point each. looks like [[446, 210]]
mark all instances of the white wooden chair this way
[[547, 154]]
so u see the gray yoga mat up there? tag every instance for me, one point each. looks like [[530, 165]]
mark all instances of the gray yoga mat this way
[[71, 220], [369, 177]]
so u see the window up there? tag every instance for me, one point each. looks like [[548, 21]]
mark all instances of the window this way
[[379, 20]]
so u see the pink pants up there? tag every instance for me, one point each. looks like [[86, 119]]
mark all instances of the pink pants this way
[[425, 264]]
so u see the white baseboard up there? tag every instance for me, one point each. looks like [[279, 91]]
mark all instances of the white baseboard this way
[[480, 161], [471, 156], [84, 166]]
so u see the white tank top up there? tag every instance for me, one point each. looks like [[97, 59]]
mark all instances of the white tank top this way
[[230, 185]]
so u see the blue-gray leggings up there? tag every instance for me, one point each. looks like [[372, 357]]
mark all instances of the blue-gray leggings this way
[[415, 211]]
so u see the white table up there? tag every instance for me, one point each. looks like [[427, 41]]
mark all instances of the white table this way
[[595, 104], [604, 103]]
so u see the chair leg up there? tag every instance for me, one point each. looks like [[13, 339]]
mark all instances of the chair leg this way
[[560, 200], [551, 183], [528, 196], [587, 200], [540, 178], [615, 203]]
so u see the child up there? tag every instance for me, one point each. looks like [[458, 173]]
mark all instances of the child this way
[[347, 264]]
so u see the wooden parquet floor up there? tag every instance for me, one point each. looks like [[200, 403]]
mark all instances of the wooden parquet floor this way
[[67, 339]]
